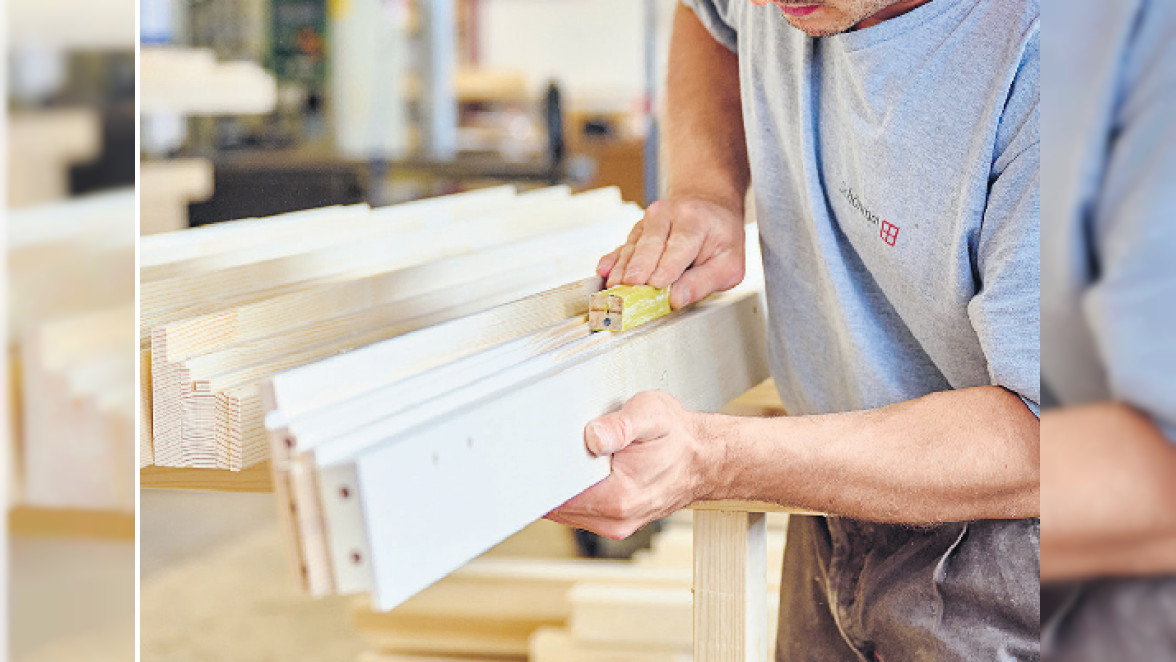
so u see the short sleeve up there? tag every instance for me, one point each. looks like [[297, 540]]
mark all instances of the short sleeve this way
[[1006, 310], [716, 16], [1132, 306]]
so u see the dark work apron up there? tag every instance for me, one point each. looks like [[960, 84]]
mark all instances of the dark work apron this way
[[1120, 620], [855, 590]]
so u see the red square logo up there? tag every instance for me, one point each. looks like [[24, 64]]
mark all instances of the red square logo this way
[[889, 232]]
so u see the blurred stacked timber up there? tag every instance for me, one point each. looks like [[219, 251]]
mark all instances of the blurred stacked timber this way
[[224, 307], [42, 145], [191, 81], [166, 188], [566, 609], [558, 610], [71, 340]]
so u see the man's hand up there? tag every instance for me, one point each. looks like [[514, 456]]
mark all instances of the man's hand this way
[[660, 463], [693, 244]]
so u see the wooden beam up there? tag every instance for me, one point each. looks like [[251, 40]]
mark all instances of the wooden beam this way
[[495, 440], [257, 478], [551, 644], [527, 217], [232, 345], [730, 593], [191, 392], [29, 521], [241, 242]]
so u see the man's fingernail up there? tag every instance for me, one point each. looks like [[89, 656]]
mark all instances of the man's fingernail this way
[[593, 435], [598, 442]]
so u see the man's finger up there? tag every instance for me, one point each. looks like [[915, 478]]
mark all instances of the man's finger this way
[[681, 251], [606, 264], [721, 272], [618, 270], [642, 418], [649, 246]]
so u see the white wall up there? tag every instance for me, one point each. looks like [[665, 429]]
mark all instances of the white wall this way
[[595, 48]]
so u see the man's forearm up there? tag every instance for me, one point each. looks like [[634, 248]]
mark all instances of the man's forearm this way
[[1108, 495], [705, 148], [951, 456]]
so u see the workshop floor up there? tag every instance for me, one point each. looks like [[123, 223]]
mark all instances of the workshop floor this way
[[216, 585], [71, 600]]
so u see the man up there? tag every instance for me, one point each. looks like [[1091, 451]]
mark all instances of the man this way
[[1108, 450], [892, 153]]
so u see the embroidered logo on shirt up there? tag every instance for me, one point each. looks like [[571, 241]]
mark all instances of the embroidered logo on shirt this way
[[888, 231]]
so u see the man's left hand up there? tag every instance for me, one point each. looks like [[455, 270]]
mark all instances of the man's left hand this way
[[662, 460]]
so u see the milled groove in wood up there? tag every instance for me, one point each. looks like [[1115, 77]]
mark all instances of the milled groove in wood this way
[[530, 457], [730, 586], [525, 218]]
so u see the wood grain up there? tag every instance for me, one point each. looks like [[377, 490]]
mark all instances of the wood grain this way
[[730, 595]]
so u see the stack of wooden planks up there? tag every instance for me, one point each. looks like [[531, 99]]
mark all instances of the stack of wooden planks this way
[[70, 331], [225, 307], [559, 610], [477, 419]]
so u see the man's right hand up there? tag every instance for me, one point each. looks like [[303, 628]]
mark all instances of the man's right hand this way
[[693, 244]]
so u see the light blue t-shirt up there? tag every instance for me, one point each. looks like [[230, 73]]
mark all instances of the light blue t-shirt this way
[[895, 172], [1108, 281], [895, 177], [1109, 274]]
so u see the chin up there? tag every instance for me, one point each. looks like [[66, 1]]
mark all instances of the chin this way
[[817, 29]]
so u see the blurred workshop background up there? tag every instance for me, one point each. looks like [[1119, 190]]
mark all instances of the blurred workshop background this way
[[257, 107], [70, 241], [260, 109]]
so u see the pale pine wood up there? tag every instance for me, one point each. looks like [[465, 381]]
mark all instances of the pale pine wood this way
[[236, 243], [78, 384], [166, 188], [553, 644], [180, 396], [257, 478], [29, 521], [235, 371], [42, 145], [730, 604], [190, 81], [528, 217]]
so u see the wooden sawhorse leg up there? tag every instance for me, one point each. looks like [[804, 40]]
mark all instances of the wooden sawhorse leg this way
[[730, 586]]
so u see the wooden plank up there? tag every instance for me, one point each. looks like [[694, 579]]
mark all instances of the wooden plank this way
[[243, 242], [183, 402], [641, 616], [730, 604], [552, 644], [526, 218], [29, 521], [78, 398], [296, 392], [501, 445], [228, 378], [257, 478]]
